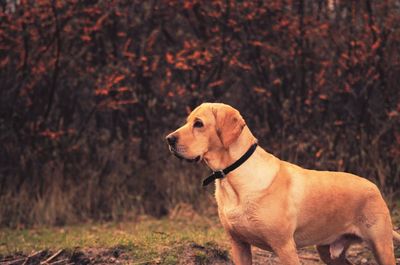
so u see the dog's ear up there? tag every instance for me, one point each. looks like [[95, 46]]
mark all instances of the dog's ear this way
[[229, 124]]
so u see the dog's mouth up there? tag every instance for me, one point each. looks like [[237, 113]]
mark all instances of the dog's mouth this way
[[178, 155]]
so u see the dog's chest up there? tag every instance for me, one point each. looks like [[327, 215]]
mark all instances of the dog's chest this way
[[244, 222], [242, 216]]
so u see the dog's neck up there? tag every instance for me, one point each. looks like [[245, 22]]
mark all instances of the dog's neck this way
[[248, 178], [223, 157]]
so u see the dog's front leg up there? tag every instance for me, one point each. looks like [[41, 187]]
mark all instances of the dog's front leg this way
[[241, 252], [287, 253]]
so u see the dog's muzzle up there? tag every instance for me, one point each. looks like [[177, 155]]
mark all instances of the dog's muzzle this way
[[172, 142], [178, 155]]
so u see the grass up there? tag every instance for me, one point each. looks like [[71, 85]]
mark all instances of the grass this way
[[145, 240]]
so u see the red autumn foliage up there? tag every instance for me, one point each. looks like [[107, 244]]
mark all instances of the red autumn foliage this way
[[317, 83]]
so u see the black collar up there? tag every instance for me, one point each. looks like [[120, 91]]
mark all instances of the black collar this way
[[221, 173]]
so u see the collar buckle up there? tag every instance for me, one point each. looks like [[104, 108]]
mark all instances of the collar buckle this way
[[219, 174]]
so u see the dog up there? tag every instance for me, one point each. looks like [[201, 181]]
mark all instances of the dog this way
[[278, 206]]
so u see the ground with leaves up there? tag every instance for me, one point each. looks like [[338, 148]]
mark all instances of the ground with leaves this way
[[142, 241], [189, 253]]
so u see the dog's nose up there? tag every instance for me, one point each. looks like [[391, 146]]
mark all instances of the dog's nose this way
[[172, 139]]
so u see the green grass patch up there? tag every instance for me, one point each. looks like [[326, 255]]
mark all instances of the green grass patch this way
[[145, 240]]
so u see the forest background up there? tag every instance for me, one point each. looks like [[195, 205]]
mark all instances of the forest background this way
[[89, 89]]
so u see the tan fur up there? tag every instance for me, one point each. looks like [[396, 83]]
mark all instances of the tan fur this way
[[278, 206]]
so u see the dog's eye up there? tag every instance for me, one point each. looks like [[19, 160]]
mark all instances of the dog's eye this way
[[198, 124]]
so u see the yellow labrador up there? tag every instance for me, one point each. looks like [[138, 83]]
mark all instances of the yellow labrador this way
[[276, 205]]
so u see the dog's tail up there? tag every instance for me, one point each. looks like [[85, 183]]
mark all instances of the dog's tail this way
[[396, 236]]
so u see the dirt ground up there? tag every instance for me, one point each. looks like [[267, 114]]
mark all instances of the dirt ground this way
[[357, 255], [190, 254]]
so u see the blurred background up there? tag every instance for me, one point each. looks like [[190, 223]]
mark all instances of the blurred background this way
[[89, 89]]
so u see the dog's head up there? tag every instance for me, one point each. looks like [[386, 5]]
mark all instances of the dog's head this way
[[211, 126]]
